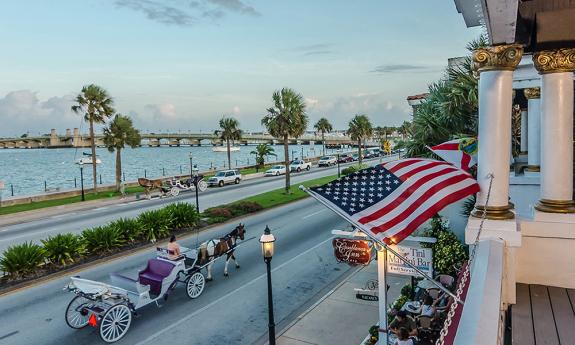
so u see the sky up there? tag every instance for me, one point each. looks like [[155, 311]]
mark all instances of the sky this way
[[180, 65]]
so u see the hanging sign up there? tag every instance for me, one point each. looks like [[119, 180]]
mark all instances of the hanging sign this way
[[422, 258], [352, 251]]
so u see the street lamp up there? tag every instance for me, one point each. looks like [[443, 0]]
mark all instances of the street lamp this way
[[338, 171], [82, 179], [267, 240], [196, 179], [191, 165]]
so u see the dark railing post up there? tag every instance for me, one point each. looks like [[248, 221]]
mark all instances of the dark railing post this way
[[180, 169], [12, 189], [145, 175], [75, 183], [45, 186], [82, 181], [124, 176], [100, 178], [271, 324], [163, 172]]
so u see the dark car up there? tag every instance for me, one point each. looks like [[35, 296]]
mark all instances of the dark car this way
[[345, 159]]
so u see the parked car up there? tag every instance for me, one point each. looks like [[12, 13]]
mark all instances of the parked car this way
[[276, 170], [299, 165], [225, 177], [355, 156], [327, 161], [345, 158]]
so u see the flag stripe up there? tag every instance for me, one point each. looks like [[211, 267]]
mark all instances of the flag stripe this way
[[423, 181], [450, 145], [412, 204], [430, 212], [404, 176], [395, 166]]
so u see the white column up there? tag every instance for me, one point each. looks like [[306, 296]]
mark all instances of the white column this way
[[534, 128], [524, 131], [495, 65], [556, 130], [382, 293]]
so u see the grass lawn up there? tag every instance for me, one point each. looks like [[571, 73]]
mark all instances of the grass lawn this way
[[65, 201], [278, 197]]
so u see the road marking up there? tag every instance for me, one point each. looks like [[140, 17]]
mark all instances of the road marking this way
[[155, 335], [64, 215], [101, 208], [313, 214], [9, 335]]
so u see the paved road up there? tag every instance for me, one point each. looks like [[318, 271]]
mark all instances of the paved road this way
[[230, 311], [79, 220]]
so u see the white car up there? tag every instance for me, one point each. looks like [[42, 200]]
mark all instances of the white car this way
[[276, 170], [299, 165], [327, 161], [225, 177]]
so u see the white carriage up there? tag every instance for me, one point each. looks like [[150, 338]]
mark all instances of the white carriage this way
[[176, 186], [110, 306]]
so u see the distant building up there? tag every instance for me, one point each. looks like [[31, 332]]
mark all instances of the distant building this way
[[414, 101]]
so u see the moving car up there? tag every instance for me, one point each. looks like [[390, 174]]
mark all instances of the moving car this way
[[345, 158], [326, 161], [276, 170], [299, 165], [225, 177]]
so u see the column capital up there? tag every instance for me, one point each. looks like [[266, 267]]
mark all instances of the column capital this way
[[532, 92], [554, 61], [497, 58]]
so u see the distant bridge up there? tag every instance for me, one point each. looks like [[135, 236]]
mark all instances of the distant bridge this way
[[75, 139]]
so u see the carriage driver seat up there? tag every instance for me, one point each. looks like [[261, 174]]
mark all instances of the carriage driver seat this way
[[154, 274]]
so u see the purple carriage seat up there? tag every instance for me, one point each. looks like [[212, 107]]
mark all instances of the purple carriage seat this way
[[154, 274]]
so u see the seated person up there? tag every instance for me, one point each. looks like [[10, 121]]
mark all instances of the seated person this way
[[174, 251], [402, 320], [428, 308], [403, 337]]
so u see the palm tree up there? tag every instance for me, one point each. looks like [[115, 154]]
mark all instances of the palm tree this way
[[119, 133], [96, 105], [404, 129], [323, 126], [229, 131], [359, 129], [261, 152], [285, 119], [381, 134]]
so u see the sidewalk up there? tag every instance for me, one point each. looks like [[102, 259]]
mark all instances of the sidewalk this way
[[339, 318]]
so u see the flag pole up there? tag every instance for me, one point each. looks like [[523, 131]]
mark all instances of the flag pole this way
[[360, 227], [382, 292]]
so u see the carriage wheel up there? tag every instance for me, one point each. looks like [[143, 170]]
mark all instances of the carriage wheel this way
[[202, 186], [76, 316], [195, 285], [175, 191], [115, 323]]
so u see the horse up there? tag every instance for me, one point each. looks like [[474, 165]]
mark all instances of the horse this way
[[150, 185], [215, 248]]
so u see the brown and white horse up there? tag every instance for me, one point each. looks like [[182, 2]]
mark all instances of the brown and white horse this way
[[215, 248]]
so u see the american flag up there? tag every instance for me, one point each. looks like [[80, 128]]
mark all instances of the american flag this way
[[392, 199]]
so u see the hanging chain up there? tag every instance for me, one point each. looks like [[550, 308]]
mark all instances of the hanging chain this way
[[466, 273]]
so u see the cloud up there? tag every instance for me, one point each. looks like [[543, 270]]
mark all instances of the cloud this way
[[393, 68], [380, 109], [186, 14], [236, 6], [313, 49], [159, 12], [162, 112], [22, 111], [236, 110]]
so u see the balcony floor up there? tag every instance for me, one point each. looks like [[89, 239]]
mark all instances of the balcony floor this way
[[543, 315]]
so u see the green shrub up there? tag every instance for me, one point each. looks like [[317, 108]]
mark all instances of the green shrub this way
[[63, 248], [218, 212], [129, 228], [215, 220], [243, 207], [352, 169], [155, 224], [448, 252], [22, 259], [184, 215], [102, 239]]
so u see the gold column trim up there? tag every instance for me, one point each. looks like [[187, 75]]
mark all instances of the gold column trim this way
[[494, 212], [497, 58], [555, 206], [533, 168], [532, 92], [555, 61]]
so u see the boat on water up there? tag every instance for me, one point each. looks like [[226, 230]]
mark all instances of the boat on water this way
[[87, 159], [225, 149]]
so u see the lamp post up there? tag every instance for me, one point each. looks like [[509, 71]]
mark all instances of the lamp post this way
[[338, 171], [196, 179], [82, 180], [191, 165], [267, 240]]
